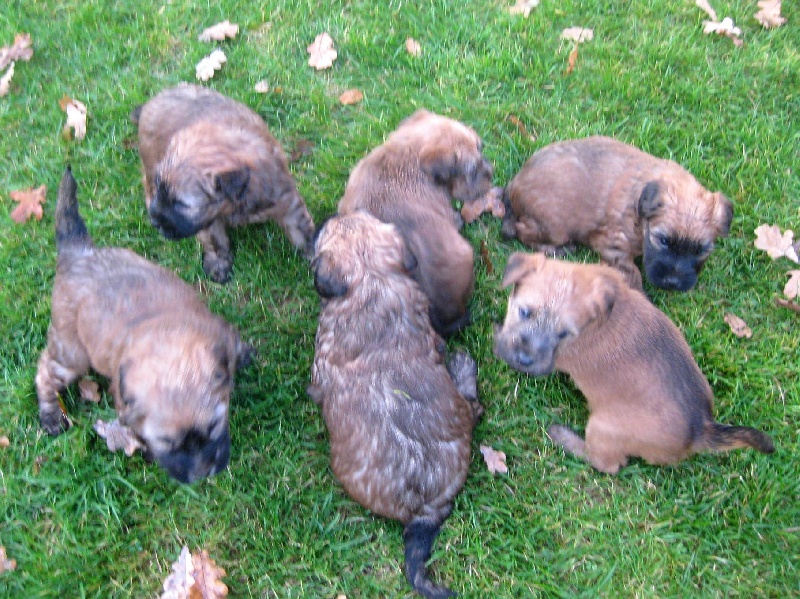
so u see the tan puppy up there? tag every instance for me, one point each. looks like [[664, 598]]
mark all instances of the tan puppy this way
[[410, 181], [400, 426], [646, 394], [210, 162], [171, 362], [622, 203]]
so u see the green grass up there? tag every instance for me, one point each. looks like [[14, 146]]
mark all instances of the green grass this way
[[82, 522]]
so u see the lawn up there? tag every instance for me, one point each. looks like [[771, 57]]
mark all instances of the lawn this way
[[81, 521]]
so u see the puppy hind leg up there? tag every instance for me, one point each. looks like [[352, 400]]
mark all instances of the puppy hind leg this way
[[464, 372], [217, 258], [56, 370], [419, 536], [604, 448]]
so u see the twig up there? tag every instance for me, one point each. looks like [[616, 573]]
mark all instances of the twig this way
[[788, 304]]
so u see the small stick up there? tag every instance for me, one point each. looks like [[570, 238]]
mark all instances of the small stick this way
[[788, 304]]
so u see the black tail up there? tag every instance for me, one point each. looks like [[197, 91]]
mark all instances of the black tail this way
[[70, 228], [419, 536], [721, 437]]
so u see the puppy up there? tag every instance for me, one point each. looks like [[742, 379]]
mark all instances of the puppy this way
[[622, 203], [171, 362], [210, 162], [410, 181], [400, 426], [646, 394]]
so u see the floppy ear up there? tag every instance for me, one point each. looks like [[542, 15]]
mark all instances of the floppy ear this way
[[329, 279], [520, 263], [723, 211], [649, 202], [600, 296], [439, 163], [232, 184]]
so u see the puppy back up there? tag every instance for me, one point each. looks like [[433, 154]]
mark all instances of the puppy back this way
[[70, 229]]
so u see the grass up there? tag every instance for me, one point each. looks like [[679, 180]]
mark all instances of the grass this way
[[82, 522]]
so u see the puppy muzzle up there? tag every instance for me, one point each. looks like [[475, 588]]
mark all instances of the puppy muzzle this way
[[188, 466], [529, 353]]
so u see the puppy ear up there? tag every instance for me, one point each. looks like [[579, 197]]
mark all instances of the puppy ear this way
[[723, 211], [599, 291], [232, 184], [439, 164], [520, 263], [409, 259], [649, 201], [329, 280]]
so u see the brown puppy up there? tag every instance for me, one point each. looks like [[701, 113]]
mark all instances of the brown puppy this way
[[171, 362], [400, 426], [210, 162], [410, 181], [622, 203], [646, 394]]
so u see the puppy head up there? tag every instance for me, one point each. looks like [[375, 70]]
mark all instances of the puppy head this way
[[173, 390], [552, 302], [347, 247], [681, 221], [196, 182], [450, 153]]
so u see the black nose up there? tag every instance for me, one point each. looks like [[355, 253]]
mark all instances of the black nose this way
[[524, 358]]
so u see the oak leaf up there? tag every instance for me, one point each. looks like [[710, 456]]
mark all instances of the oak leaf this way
[[178, 585], [206, 68], [523, 7], [777, 245], [5, 80], [738, 326], [118, 436], [322, 52], [20, 50], [30, 204], [6, 565], [770, 14], [792, 288], [491, 201], [724, 27], [194, 576], [495, 460], [413, 47], [351, 96], [89, 389], [578, 34], [76, 117], [219, 32], [207, 575]]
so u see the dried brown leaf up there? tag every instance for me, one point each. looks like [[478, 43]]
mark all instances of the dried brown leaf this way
[[194, 576], [770, 239], [413, 47], [6, 565], [76, 117], [4, 442], [706, 7], [30, 204], [724, 27], [486, 258], [207, 577], [212, 63], [495, 460], [573, 58], [523, 7], [351, 96], [178, 585], [521, 127], [492, 201], [89, 389], [5, 81], [118, 436], [322, 52], [770, 14], [21, 49], [578, 34], [219, 32], [738, 326], [792, 288]]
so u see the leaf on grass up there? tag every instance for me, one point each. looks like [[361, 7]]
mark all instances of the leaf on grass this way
[[194, 576], [724, 27], [351, 96], [20, 50], [495, 460], [76, 118], [521, 127], [30, 204], [487, 261], [5, 81], [6, 565], [90, 390], [738, 326], [703, 4], [207, 575], [4, 442], [523, 7], [322, 53], [413, 47], [770, 14], [777, 245], [178, 585], [118, 436], [578, 34], [792, 288], [491, 201], [206, 68], [219, 32], [573, 58], [262, 87]]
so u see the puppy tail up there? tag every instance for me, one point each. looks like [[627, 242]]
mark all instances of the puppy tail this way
[[70, 228], [419, 536], [721, 437]]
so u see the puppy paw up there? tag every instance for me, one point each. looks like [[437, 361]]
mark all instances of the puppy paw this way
[[54, 422], [567, 439], [217, 269], [464, 372]]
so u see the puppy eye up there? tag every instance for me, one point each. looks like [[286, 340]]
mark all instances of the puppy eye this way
[[524, 312], [661, 240], [563, 334]]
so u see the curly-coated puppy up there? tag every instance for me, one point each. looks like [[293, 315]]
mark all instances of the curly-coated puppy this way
[[171, 362], [622, 203], [210, 162], [410, 181], [646, 395], [400, 426]]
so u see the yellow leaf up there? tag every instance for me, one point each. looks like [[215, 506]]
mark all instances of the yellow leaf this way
[[351, 96]]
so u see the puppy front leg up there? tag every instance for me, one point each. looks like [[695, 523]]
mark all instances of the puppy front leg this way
[[298, 225], [217, 259]]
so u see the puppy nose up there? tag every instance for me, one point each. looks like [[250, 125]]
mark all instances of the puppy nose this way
[[524, 358]]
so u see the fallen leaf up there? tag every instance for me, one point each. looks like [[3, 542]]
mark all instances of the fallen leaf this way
[[20, 50], [578, 34], [724, 27], [351, 96], [792, 288], [6, 565], [573, 58], [118, 436], [322, 53], [207, 577], [523, 7], [179, 584], [487, 261], [4, 442], [76, 117], [194, 576], [770, 14], [206, 68], [491, 201], [30, 204], [219, 32], [5, 80], [777, 245], [262, 87], [521, 127], [495, 460], [90, 390], [703, 4], [738, 326], [413, 47], [302, 148]]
